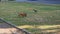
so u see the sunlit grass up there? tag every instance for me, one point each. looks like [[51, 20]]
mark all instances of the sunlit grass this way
[[40, 26]]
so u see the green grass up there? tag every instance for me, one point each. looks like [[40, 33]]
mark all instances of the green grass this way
[[46, 15]]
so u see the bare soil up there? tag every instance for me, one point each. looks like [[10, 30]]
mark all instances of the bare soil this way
[[7, 29]]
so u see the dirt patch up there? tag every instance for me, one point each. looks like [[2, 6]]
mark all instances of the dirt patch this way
[[7, 29]]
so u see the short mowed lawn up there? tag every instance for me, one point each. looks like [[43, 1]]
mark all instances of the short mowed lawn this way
[[46, 19]]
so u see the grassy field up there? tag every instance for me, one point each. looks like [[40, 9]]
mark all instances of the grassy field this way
[[47, 19]]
